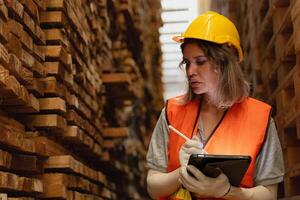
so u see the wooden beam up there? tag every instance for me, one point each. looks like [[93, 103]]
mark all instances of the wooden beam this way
[[15, 67], [31, 8], [3, 31], [115, 132], [47, 121], [116, 78], [58, 53], [39, 69], [53, 18], [52, 148], [53, 105], [36, 88], [53, 88], [29, 163], [55, 36], [30, 185], [69, 164], [27, 40], [14, 27], [12, 90], [4, 57], [5, 159], [33, 105], [4, 74], [55, 190], [55, 4], [3, 11], [16, 9]]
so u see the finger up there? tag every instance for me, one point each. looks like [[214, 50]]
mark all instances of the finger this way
[[192, 143], [179, 180], [189, 182], [193, 150], [222, 177], [197, 173], [184, 180], [183, 172], [196, 138]]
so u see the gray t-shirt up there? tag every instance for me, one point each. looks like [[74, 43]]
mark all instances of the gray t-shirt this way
[[269, 167]]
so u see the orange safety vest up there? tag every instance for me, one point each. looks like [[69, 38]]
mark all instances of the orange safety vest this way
[[241, 131]]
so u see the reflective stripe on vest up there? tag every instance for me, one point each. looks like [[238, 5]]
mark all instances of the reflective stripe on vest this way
[[241, 131]]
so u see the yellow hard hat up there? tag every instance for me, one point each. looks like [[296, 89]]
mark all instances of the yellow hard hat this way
[[213, 27]]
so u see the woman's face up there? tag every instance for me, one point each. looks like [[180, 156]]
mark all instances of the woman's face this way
[[202, 75]]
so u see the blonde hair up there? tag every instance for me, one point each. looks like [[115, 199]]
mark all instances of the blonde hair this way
[[233, 86]]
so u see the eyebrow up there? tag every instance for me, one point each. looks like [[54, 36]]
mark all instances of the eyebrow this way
[[202, 56]]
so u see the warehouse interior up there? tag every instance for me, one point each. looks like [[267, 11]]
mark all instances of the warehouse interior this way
[[82, 84]]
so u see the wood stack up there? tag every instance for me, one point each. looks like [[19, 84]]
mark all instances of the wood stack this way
[[79, 86], [130, 83], [270, 38]]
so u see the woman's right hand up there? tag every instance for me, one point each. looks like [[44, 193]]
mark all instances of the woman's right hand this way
[[192, 146]]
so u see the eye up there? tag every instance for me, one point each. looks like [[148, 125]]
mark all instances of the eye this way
[[185, 63], [200, 62]]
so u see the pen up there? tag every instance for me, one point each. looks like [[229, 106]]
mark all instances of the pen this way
[[184, 137], [179, 133]]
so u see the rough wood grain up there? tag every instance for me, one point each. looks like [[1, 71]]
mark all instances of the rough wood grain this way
[[14, 27], [53, 18], [45, 122], [16, 9], [3, 31], [53, 105], [115, 132], [4, 57], [29, 164], [3, 11], [15, 67], [69, 164]]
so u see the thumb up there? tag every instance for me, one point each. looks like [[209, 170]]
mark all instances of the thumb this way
[[196, 138]]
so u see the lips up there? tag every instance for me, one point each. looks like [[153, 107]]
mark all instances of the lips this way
[[195, 83]]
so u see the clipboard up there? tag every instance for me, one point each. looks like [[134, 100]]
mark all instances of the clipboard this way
[[233, 166]]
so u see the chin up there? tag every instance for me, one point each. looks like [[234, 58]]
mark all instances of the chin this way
[[198, 92]]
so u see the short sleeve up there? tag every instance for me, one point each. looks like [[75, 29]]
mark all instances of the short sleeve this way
[[269, 166], [157, 158]]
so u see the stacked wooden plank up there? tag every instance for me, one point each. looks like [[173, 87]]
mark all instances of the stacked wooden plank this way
[[72, 58], [51, 86], [20, 64], [272, 59], [18, 147], [134, 78], [21, 57], [71, 75], [80, 78]]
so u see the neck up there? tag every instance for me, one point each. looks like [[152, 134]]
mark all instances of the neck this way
[[206, 105]]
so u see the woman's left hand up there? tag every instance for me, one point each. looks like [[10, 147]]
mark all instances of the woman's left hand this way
[[204, 186]]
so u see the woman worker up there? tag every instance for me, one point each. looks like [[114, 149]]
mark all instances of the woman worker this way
[[218, 115]]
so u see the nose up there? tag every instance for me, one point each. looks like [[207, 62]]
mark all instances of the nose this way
[[191, 69]]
